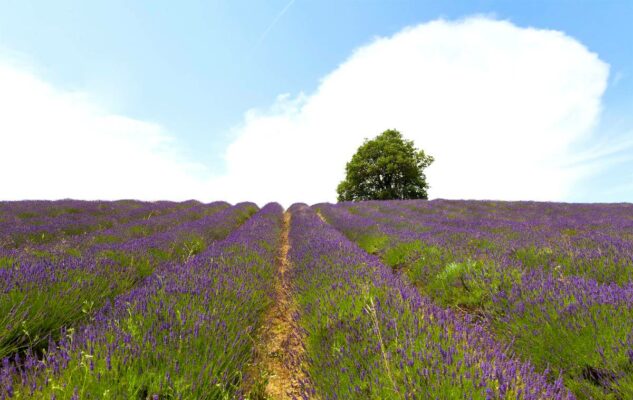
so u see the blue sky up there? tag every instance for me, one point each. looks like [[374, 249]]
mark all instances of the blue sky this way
[[193, 70]]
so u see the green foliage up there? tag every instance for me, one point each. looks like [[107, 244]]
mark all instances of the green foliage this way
[[454, 284], [189, 246], [258, 389], [32, 315], [43, 254], [578, 346], [138, 231], [400, 254], [65, 210], [41, 313], [372, 243], [106, 239], [419, 261], [7, 262], [75, 230], [73, 252], [40, 238], [26, 215], [467, 284], [471, 285], [385, 168], [139, 263]]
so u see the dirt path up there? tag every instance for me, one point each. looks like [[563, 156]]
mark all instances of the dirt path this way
[[282, 351]]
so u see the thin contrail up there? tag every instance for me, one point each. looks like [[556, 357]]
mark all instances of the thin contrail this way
[[277, 18]]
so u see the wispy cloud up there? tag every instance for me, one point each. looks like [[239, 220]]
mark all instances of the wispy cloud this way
[[605, 152], [617, 78], [270, 27]]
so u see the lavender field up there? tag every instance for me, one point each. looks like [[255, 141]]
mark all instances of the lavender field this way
[[371, 300]]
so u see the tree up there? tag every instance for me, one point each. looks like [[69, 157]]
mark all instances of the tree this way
[[385, 168]]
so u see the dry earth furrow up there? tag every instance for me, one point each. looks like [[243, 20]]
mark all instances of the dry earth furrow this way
[[282, 350]]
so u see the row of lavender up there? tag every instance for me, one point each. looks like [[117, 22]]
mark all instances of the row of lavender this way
[[572, 238], [26, 223], [74, 233], [41, 295], [370, 335], [184, 332], [552, 281]]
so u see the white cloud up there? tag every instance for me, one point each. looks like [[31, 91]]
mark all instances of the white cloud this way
[[59, 144], [499, 106]]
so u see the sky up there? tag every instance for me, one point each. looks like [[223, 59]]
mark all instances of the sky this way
[[267, 100]]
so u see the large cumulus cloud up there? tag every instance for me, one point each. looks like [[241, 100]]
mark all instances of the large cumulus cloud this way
[[499, 106]]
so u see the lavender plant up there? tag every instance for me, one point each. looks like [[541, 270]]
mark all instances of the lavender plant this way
[[369, 335], [550, 280], [183, 333], [28, 223], [40, 297]]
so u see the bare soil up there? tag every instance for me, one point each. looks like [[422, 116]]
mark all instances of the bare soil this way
[[321, 216], [282, 350]]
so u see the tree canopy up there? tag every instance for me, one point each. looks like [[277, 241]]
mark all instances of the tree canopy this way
[[387, 167]]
